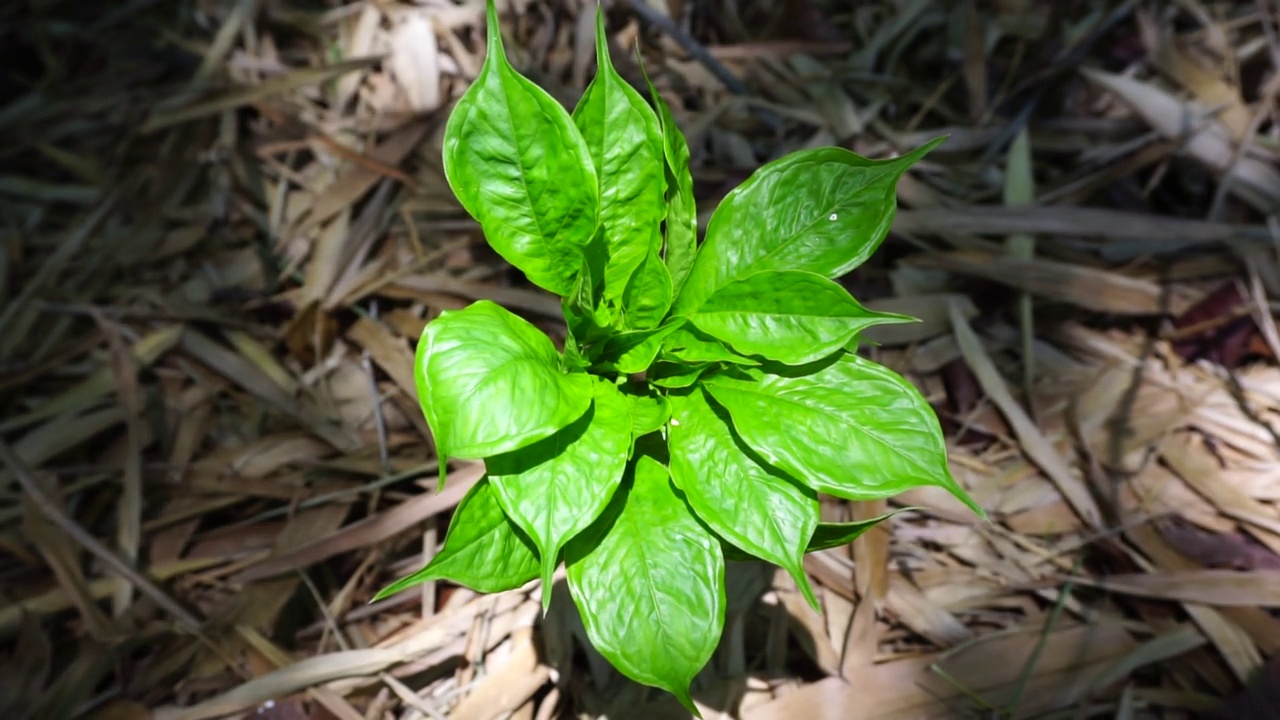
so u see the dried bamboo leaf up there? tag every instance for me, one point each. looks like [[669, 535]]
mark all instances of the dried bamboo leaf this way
[[1162, 234], [1034, 444], [1205, 138], [387, 350], [506, 687], [1090, 288], [1224, 588], [1161, 648], [415, 61], [360, 179], [919, 613], [245, 374], [906, 690], [145, 352], [232, 99], [372, 529]]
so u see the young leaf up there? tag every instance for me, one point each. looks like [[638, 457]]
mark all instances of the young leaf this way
[[690, 346], [649, 412], [648, 295], [554, 488], [790, 316], [823, 211], [850, 428], [573, 360], [634, 351], [625, 145], [588, 319], [678, 375], [490, 382], [830, 535], [649, 583], [519, 166], [483, 550], [682, 215], [742, 500]]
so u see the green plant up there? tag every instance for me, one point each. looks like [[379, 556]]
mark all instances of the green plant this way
[[705, 394]]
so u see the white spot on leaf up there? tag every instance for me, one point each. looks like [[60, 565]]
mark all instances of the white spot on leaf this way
[[833, 217], [674, 422]]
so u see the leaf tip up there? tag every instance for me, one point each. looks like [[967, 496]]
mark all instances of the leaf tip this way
[[444, 469], [928, 147], [806, 588], [548, 580], [969, 502], [909, 159], [686, 699], [404, 583], [603, 61], [493, 31]]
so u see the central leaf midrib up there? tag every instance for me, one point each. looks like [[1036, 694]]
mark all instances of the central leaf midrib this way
[[545, 241], [701, 313], [638, 532], [852, 193]]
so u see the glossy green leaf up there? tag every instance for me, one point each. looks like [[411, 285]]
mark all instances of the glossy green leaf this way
[[648, 295], [649, 583], [649, 412], [823, 211], [679, 375], [490, 382], [741, 498], [634, 351], [625, 146], [848, 427], [554, 488], [687, 345], [831, 535], [483, 549], [682, 215], [790, 316], [520, 167]]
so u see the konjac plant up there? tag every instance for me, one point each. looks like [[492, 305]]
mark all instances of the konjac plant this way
[[707, 392]]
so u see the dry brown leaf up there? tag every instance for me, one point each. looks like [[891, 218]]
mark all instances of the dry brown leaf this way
[[244, 373], [1087, 287], [415, 61], [1161, 233], [1226, 588], [505, 688], [1257, 181], [919, 613], [1170, 57], [907, 690], [372, 529], [387, 350], [1034, 444], [360, 179]]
